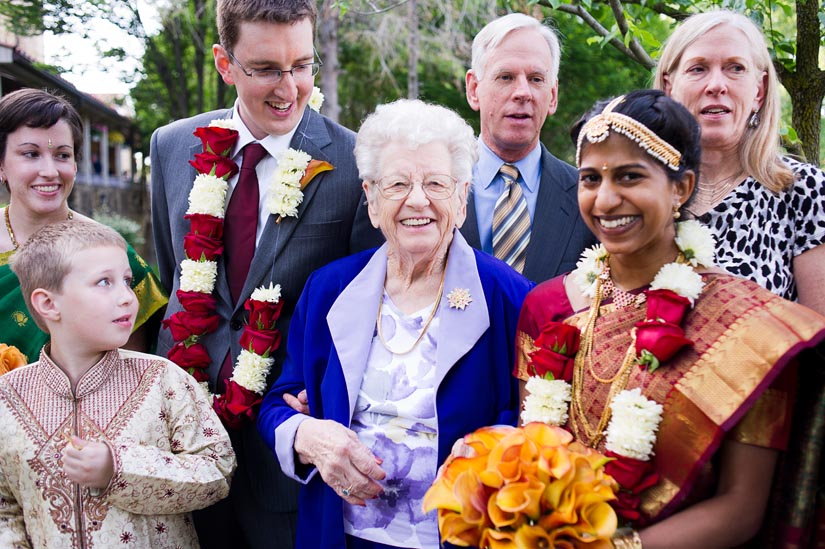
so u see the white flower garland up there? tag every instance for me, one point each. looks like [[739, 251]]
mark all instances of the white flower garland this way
[[547, 401], [316, 99], [693, 239], [207, 197], [251, 370], [633, 425]]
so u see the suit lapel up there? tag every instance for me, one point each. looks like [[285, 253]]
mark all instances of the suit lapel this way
[[311, 137], [351, 321], [470, 228], [551, 231]]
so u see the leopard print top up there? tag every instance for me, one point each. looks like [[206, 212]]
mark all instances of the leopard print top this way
[[758, 233]]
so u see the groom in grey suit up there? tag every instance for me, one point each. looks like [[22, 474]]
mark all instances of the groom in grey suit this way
[[513, 84], [267, 53]]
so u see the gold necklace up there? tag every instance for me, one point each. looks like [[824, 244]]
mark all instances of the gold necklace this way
[[423, 329], [581, 426], [14, 242]]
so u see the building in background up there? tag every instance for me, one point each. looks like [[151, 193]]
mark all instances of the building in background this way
[[109, 186]]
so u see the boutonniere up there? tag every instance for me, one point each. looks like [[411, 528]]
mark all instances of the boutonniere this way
[[294, 172], [459, 298], [260, 338]]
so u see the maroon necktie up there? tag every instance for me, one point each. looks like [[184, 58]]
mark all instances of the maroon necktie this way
[[241, 221], [240, 225]]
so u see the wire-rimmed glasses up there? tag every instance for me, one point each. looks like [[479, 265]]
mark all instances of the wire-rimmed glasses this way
[[273, 76], [435, 186]]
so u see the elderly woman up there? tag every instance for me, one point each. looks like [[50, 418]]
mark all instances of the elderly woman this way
[[767, 212], [674, 376], [402, 350], [40, 139]]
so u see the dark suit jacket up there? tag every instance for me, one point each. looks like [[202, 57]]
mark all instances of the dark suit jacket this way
[[331, 224], [559, 234]]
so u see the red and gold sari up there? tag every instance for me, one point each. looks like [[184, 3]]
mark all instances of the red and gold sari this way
[[736, 382]]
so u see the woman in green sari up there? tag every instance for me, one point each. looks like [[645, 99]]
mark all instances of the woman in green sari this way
[[40, 135]]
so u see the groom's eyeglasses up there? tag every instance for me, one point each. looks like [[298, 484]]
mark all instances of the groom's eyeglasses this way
[[273, 76]]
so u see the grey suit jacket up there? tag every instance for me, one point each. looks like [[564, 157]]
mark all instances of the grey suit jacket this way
[[331, 224], [558, 234]]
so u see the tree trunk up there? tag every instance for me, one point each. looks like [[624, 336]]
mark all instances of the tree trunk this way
[[806, 85], [328, 37], [412, 75]]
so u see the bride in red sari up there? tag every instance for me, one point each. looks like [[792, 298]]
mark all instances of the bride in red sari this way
[[649, 353]]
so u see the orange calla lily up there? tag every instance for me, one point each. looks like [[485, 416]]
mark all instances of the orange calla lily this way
[[314, 168], [10, 358], [528, 487]]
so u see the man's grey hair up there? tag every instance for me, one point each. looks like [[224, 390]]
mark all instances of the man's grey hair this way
[[496, 30]]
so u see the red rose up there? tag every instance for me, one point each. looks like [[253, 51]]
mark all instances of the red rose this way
[[544, 362], [260, 342], [557, 344], [208, 163], [666, 305], [657, 342], [262, 314], [237, 405], [217, 140], [206, 225], [634, 476], [197, 302], [184, 324], [199, 247], [199, 374], [194, 356]]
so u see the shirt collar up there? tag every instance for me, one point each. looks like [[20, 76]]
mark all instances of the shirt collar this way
[[489, 164], [274, 144]]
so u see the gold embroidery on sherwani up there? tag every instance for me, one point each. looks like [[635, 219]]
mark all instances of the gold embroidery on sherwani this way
[[122, 400]]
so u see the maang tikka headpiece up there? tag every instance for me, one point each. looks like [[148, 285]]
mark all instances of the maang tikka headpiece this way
[[597, 129]]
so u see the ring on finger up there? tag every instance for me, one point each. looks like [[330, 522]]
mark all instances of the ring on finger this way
[[346, 491]]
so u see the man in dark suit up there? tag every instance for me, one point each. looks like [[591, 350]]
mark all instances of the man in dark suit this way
[[513, 84], [266, 52]]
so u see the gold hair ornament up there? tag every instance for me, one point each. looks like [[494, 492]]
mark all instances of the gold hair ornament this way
[[597, 129]]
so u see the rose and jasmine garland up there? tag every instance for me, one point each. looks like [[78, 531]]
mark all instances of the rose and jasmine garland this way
[[633, 419], [203, 246]]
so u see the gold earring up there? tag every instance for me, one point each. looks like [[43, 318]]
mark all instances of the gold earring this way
[[676, 213]]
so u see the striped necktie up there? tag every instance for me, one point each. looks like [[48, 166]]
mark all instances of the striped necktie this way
[[511, 221]]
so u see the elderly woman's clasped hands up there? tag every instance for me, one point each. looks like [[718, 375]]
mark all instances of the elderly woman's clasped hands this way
[[341, 459]]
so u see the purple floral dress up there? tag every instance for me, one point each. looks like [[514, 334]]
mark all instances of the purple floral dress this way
[[395, 417]]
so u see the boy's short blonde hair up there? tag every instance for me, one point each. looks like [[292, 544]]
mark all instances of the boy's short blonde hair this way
[[45, 259]]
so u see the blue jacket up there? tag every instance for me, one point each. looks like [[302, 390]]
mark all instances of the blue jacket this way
[[329, 342]]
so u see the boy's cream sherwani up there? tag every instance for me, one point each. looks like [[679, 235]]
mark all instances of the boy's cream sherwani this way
[[171, 454]]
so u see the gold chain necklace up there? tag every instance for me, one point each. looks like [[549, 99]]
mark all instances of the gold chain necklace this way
[[581, 426], [423, 329], [14, 242]]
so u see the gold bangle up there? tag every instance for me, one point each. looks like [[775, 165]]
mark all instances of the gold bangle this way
[[626, 538]]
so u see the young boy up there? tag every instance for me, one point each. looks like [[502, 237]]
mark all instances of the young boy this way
[[101, 447]]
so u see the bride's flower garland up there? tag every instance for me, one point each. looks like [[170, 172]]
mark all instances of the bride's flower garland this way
[[203, 246], [633, 418]]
